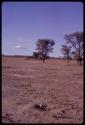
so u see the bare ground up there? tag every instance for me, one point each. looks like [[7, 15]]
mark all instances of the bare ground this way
[[27, 82]]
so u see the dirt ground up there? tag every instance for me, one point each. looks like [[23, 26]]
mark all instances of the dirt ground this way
[[54, 83]]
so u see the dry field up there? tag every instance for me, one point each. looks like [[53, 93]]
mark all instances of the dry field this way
[[29, 82]]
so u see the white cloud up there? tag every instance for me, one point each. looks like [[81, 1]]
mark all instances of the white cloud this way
[[20, 47], [17, 46]]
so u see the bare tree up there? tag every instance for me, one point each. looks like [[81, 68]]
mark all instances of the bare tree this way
[[45, 46], [66, 51], [76, 41]]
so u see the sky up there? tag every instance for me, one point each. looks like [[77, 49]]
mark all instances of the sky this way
[[23, 23]]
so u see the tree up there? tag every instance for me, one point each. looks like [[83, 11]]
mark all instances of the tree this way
[[76, 41], [66, 51], [45, 46]]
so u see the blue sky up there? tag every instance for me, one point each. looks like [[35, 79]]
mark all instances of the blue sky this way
[[23, 23]]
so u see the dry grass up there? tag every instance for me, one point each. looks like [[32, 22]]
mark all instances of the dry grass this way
[[27, 82]]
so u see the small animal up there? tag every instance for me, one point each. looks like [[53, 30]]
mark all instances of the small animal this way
[[41, 106]]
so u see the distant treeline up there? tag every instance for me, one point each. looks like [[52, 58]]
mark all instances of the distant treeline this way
[[18, 56], [29, 57]]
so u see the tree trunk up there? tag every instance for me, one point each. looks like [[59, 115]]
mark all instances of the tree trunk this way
[[43, 58], [68, 58]]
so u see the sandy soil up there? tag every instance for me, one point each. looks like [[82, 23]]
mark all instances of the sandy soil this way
[[29, 82]]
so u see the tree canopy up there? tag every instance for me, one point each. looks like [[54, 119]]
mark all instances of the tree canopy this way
[[45, 46], [76, 41]]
